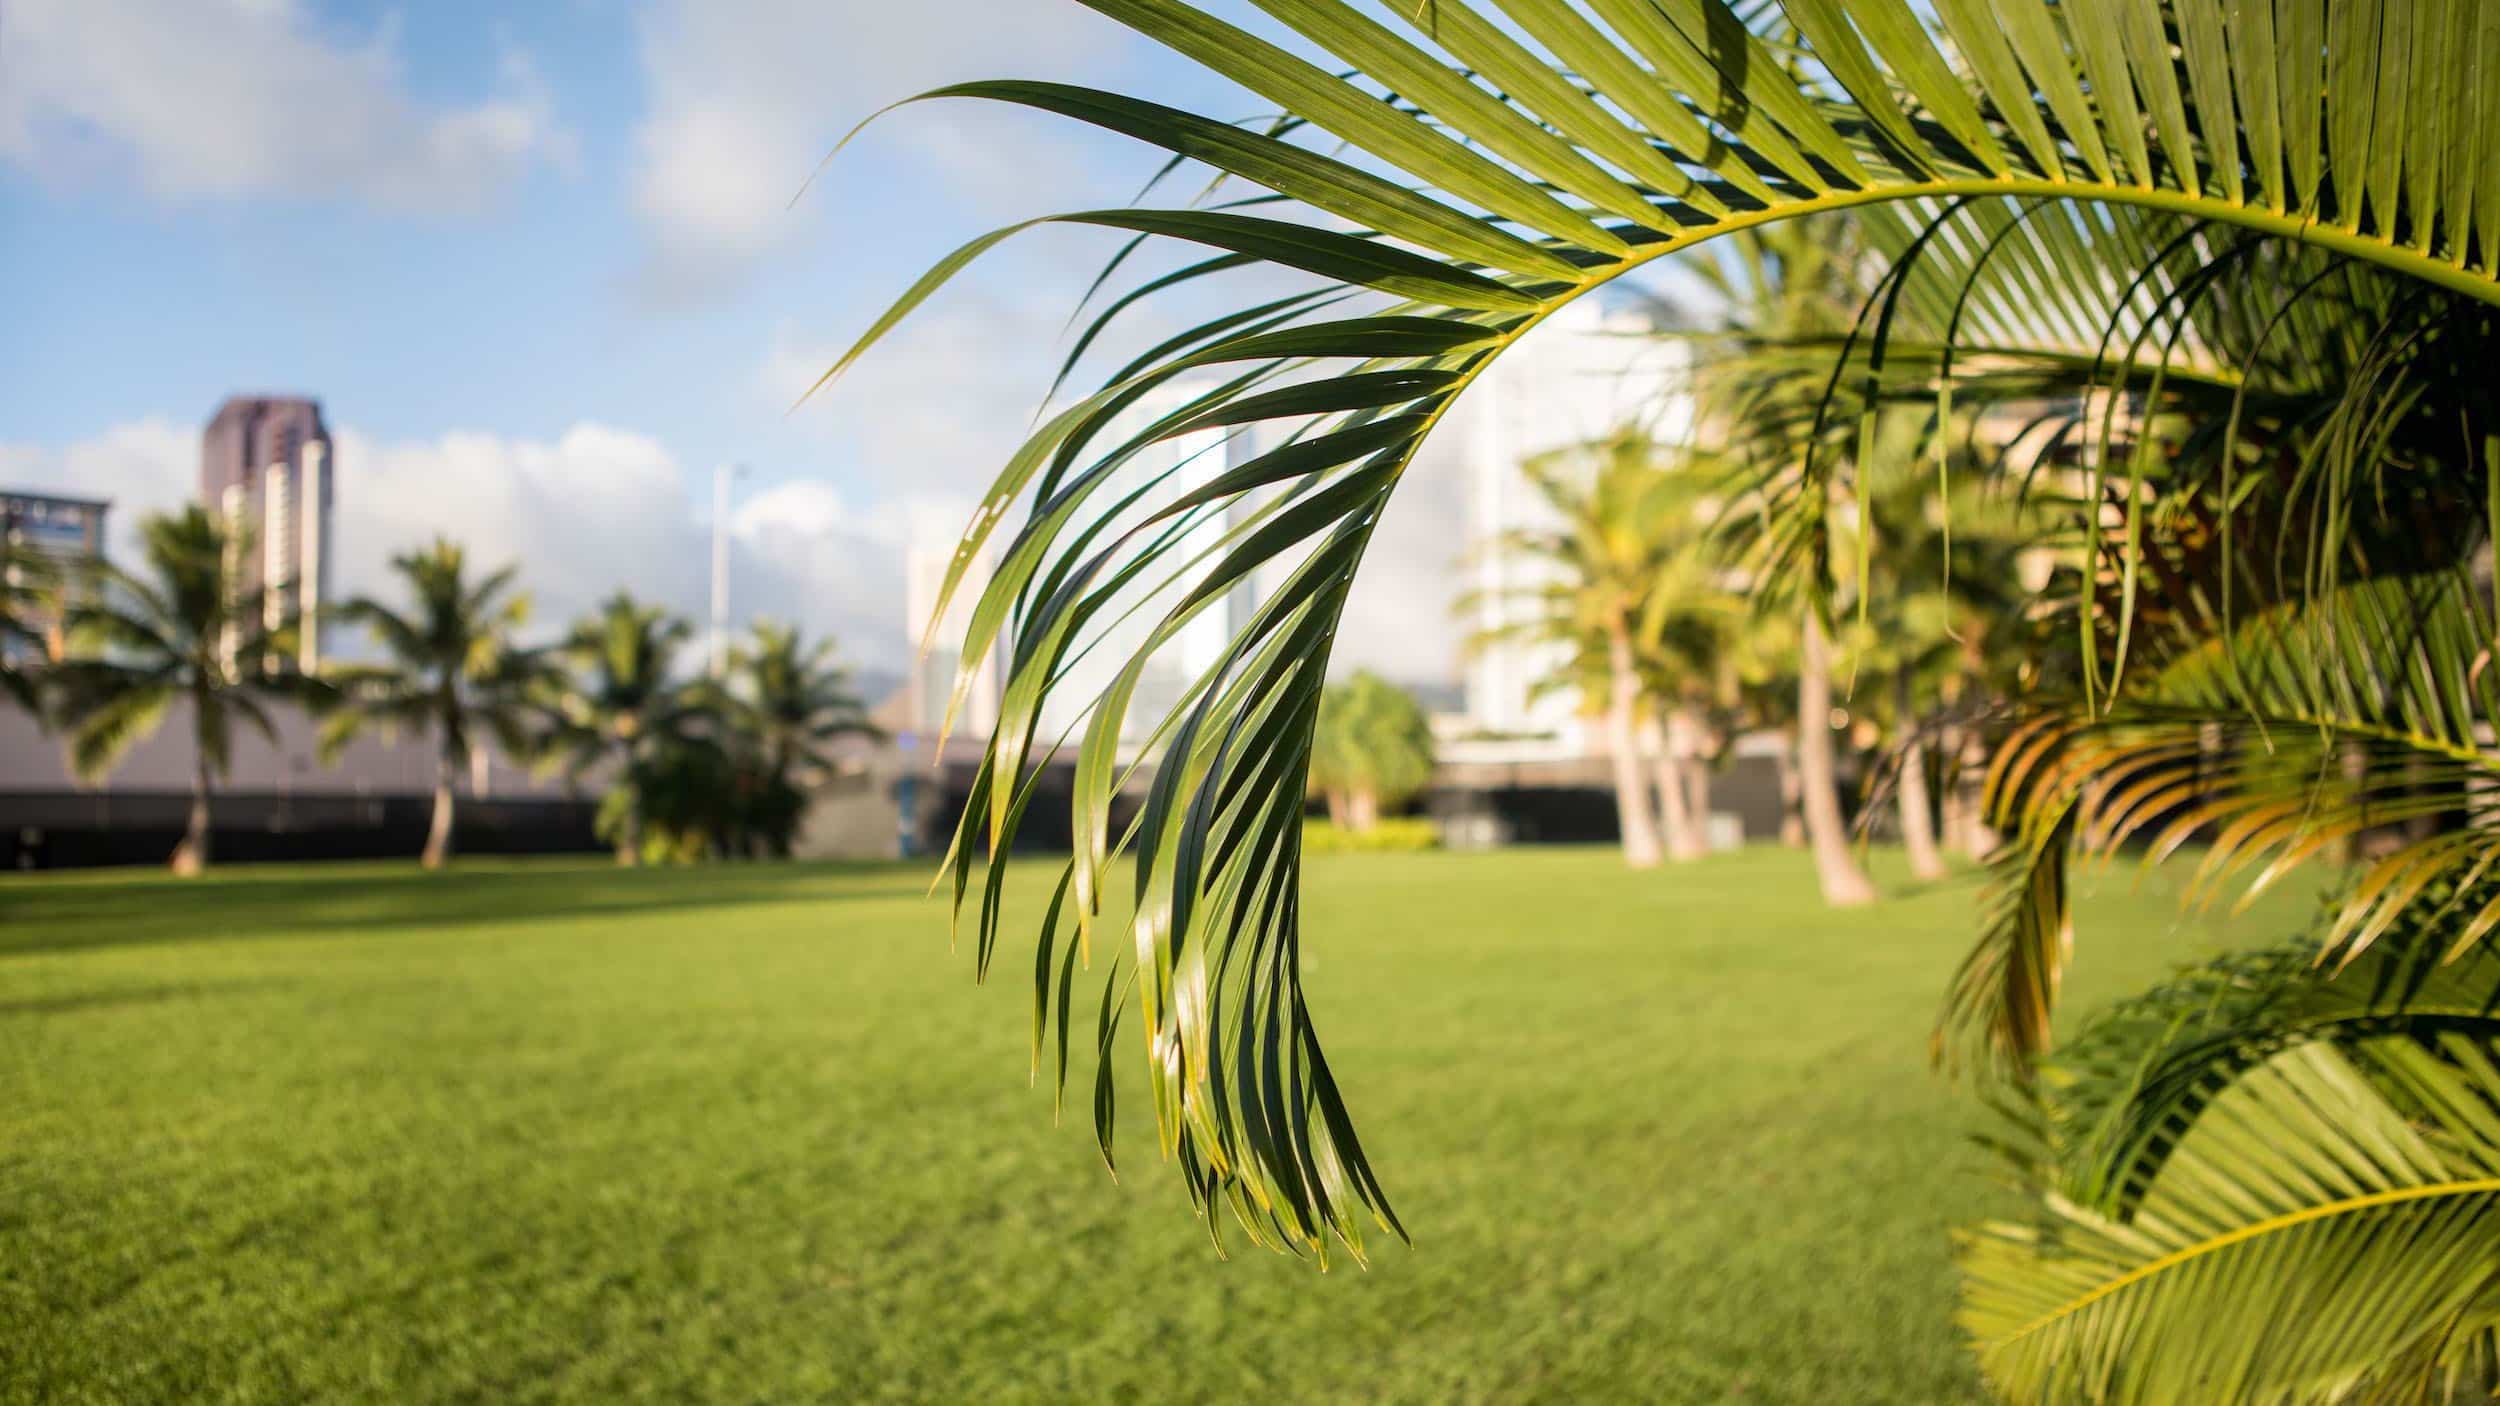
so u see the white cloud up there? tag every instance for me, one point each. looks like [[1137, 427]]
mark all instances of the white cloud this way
[[596, 509], [237, 98], [746, 99], [599, 508], [141, 467]]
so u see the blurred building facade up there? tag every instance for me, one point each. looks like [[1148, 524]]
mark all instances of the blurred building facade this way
[[1585, 376], [60, 540], [266, 463], [939, 643]]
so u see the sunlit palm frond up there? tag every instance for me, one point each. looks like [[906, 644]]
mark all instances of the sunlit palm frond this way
[[1490, 190], [2261, 1182], [2358, 710]]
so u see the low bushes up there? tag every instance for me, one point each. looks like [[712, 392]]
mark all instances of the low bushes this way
[[1320, 837]]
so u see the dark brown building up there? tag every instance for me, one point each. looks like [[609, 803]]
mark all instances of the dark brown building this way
[[265, 462]]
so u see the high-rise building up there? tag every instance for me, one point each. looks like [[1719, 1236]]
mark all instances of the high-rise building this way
[[63, 536], [1586, 375], [926, 559], [266, 464]]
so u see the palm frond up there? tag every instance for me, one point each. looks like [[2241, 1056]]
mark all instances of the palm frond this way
[[1514, 191], [2306, 1233], [2363, 708]]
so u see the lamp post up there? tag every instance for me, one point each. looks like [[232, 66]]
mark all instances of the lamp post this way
[[719, 653]]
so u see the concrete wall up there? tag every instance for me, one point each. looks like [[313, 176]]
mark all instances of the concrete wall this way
[[371, 765]]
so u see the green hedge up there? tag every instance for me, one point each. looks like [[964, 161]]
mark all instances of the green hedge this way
[[1320, 837]]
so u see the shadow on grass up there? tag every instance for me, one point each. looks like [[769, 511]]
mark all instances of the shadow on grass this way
[[72, 1002], [89, 911]]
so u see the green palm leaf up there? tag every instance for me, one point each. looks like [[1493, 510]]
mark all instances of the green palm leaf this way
[[1684, 122], [2305, 1236]]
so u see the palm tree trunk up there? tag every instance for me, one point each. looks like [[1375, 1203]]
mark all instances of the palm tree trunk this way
[[1918, 812], [1365, 811], [1675, 815], [1844, 884], [1952, 802], [1697, 776], [438, 833], [629, 836], [1976, 836], [1623, 696], [1792, 792], [191, 856]]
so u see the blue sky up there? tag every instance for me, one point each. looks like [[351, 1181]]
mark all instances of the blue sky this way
[[545, 247], [537, 262]]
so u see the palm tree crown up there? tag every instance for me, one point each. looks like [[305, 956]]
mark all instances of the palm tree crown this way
[[453, 669], [792, 699], [184, 632], [622, 701]]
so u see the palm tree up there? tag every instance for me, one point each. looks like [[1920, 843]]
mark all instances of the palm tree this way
[[622, 703], [1372, 750], [2316, 177], [787, 700], [1599, 563], [186, 632], [1942, 624], [1785, 284], [24, 574], [453, 671]]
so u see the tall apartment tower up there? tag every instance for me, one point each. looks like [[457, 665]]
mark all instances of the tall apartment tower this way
[[265, 463], [1586, 374], [926, 557]]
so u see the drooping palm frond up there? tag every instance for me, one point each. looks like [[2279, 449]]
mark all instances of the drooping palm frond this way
[[2133, 1083], [1533, 151], [2359, 710], [2262, 1182]]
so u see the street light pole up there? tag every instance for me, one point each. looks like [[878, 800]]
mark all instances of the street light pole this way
[[721, 475]]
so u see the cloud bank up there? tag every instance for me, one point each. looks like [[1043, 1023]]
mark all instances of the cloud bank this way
[[746, 99], [596, 509], [228, 99]]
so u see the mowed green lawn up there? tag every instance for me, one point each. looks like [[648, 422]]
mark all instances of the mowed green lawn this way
[[558, 1133]]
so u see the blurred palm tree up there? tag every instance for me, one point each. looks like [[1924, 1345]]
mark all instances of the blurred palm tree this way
[[786, 702], [24, 576], [452, 670], [1942, 624], [1601, 566], [1784, 284], [620, 703], [1371, 752], [793, 699], [185, 631]]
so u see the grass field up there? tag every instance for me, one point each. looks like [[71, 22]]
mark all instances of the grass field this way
[[558, 1133]]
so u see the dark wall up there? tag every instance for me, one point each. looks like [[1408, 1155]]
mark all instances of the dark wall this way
[[69, 829], [1047, 826], [1745, 787]]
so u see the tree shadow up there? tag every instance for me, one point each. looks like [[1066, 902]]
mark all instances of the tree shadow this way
[[87, 912], [72, 1002]]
